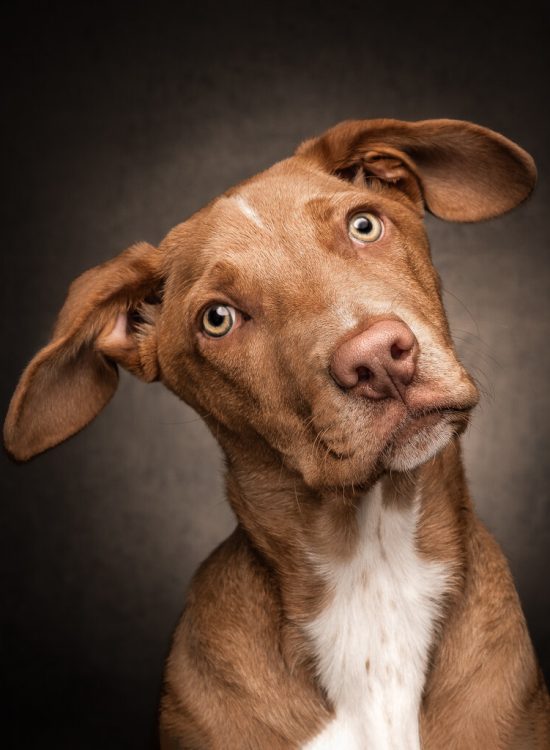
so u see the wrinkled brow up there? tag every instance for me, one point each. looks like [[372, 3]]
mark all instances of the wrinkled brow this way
[[320, 209], [226, 277]]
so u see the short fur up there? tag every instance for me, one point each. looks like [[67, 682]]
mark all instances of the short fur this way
[[277, 642]]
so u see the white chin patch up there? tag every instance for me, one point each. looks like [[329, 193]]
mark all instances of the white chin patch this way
[[422, 446]]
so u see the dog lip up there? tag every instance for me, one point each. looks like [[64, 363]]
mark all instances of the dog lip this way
[[334, 453], [426, 419], [411, 418], [445, 410], [431, 416]]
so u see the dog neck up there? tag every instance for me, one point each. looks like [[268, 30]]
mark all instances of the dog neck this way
[[293, 526], [362, 580]]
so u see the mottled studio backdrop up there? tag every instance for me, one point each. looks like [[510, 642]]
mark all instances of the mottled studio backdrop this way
[[117, 124]]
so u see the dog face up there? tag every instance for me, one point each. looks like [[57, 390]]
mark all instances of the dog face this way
[[299, 312], [281, 260]]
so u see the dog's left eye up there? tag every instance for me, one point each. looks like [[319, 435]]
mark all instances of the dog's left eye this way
[[365, 227], [218, 320]]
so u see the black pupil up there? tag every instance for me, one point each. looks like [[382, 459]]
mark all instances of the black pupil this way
[[217, 316], [363, 225]]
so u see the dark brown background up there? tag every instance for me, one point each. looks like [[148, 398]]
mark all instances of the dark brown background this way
[[119, 124]]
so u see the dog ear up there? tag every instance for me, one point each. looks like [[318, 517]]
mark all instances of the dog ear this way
[[108, 318], [458, 170]]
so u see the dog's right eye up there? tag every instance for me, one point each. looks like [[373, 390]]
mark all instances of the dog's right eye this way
[[365, 227], [218, 320]]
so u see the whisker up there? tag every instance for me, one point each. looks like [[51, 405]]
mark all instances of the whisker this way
[[297, 501], [446, 290]]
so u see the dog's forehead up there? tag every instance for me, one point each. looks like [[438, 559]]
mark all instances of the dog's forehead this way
[[279, 230], [263, 223], [272, 208], [285, 196]]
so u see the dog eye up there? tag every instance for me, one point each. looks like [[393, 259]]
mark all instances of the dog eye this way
[[365, 227], [218, 320]]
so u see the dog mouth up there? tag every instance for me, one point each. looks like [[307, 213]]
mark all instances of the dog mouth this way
[[432, 415], [332, 452], [425, 420], [353, 449], [421, 435], [417, 428]]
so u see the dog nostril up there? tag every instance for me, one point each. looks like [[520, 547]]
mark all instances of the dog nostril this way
[[397, 352], [380, 360], [363, 374]]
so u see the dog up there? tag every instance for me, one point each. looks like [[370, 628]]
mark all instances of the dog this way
[[359, 603]]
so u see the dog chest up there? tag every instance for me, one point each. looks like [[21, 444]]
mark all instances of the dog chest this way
[[373, 638]]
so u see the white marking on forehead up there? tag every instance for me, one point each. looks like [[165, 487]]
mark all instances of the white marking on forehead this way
[[248, 211]]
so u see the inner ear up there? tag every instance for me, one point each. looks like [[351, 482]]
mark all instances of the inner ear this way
[[377, 170], [130, 339]]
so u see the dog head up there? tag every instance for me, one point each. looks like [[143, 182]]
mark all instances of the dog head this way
[[299, 312]]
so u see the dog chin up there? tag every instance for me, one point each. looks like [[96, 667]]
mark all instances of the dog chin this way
[[414, 448]]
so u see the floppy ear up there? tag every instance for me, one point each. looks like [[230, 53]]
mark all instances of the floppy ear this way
[[460, 171], [108, 318]]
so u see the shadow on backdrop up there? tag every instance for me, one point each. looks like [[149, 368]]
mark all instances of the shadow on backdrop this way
[[118, 125]]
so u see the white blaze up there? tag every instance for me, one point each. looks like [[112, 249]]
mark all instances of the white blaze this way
[[248, 211]]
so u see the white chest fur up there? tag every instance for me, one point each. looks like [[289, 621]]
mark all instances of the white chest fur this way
[[372, 640]]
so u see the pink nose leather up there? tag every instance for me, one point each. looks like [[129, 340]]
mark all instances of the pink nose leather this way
[[379, 362]]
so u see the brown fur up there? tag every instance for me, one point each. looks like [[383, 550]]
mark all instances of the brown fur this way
[[241, 673]]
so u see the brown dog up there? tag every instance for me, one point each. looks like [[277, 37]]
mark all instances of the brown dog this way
[[359, 603]]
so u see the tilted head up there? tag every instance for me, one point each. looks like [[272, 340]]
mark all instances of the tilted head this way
[[299, 311]]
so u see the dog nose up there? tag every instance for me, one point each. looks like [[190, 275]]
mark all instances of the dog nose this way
[[378, 362]]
